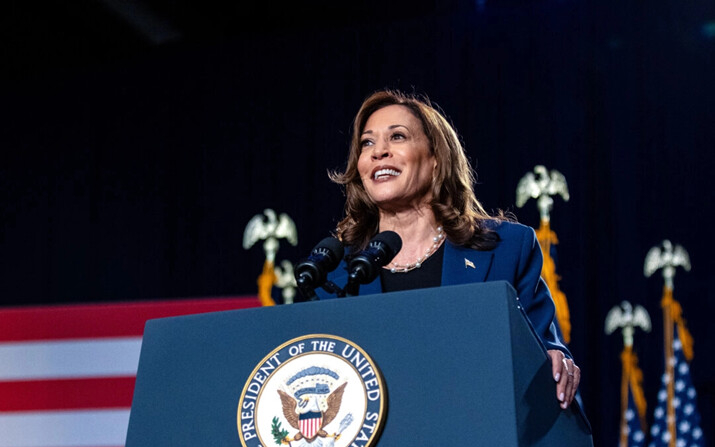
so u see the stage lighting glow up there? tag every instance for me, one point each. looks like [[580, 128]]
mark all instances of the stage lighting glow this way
[[708, 29]]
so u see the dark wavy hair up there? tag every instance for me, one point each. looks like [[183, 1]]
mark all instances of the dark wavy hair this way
[[454, 203]]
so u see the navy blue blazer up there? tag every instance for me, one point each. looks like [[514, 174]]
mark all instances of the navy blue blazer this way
[[517, 259]]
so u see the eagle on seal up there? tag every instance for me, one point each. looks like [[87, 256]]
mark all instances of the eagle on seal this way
[[293, 412]]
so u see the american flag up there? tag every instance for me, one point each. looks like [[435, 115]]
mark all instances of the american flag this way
[[635, 437], [687, 417], [633, 404], [67, 373]]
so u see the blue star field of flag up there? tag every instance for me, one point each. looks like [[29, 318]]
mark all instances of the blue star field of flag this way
[[687, 417], [634, 432]]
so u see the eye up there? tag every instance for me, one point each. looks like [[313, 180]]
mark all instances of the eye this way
[[366, 142], [398, 136]]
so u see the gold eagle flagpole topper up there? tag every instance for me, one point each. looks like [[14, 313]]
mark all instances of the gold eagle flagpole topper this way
[[626, 318], [270, 227], [541, 185]]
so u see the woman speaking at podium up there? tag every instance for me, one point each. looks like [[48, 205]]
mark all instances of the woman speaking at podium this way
[[407, 172]]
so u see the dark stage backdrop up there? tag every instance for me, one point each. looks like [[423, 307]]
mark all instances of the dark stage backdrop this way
[[135, 180]]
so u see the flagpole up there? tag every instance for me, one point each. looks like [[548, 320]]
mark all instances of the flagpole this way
[[624, 397], [627, 318], [270, 227], [631, 378], [546, 238], [666, 304], [667, 257], [541, 185]]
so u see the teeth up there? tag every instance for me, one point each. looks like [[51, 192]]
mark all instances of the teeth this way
[[382, 172]]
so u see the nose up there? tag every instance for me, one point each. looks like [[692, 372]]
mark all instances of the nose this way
[[380, 150]]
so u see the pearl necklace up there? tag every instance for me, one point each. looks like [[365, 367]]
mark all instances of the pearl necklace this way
[[436, 242]]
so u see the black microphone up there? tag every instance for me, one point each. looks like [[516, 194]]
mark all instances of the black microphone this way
[[312, 272], [365, 266]]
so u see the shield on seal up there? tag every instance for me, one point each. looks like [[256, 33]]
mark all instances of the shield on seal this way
[[310, 423]]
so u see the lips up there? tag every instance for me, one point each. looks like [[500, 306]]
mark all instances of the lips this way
[[385, 173]]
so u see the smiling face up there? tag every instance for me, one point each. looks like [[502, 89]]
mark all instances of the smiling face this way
[[396, 163]]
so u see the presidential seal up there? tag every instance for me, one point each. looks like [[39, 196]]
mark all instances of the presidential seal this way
[[313, 391]]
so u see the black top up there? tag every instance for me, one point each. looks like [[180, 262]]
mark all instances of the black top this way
[[429, 275]]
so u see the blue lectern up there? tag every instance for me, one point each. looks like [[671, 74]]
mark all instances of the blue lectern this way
[[461, 366]]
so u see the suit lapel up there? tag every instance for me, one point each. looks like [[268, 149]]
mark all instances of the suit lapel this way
[[464, 265]]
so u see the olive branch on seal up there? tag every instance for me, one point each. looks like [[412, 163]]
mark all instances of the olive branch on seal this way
[[279, 434]]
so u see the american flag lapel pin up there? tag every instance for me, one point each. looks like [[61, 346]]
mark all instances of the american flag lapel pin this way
[[468, 263]]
